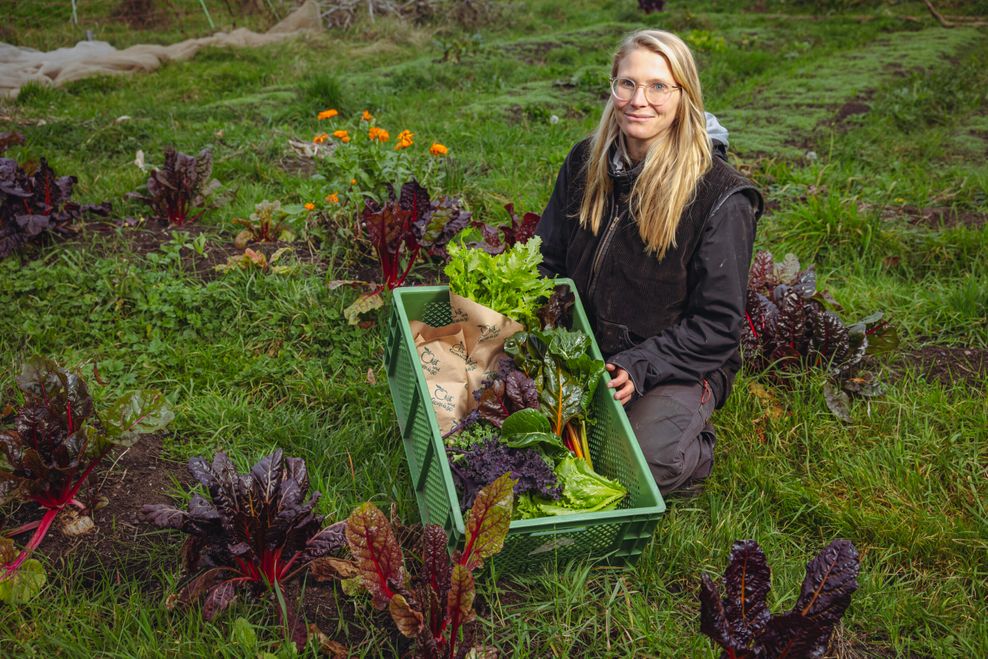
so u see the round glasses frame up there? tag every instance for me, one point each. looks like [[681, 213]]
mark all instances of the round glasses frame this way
[[656, 93]]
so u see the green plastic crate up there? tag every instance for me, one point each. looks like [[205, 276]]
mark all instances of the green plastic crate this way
[[616, 536]]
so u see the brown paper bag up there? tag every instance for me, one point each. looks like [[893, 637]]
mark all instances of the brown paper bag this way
[[457, 357]]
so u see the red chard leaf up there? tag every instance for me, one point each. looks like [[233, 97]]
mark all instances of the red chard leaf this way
[[487, 522], [408, 621], [376, 551], [747, 582]]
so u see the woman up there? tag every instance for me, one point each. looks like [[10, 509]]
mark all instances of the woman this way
[[657, 234]]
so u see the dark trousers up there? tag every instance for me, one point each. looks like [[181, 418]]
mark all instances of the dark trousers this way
[[672, 424]]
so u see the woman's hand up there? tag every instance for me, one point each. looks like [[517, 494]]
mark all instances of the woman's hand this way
[[621, 381]]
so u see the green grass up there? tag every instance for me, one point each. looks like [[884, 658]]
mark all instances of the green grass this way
[[253, 361]]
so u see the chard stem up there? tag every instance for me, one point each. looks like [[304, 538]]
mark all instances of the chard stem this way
[[39, 534]]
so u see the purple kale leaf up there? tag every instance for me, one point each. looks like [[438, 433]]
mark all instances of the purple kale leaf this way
[[482, 463]]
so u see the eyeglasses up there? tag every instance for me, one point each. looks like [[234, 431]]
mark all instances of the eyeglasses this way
[[656, 93]]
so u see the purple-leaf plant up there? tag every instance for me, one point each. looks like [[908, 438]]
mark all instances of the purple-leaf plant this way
[[254, 532], [57, 440], [403, 227], [496, 239], [432, 603], [787, 326], [177, 191], [37, 204], [741, 622]]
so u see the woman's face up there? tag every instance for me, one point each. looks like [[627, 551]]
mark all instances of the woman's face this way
[[640, 121]]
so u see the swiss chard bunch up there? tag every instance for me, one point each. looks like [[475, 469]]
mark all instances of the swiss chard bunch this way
[[566, 377], [496, 239], [57, 440], [177, 191], [432, 603], [788, 326], [508, 283], [255, 531], [402, 227], [741, 622], [36, 204]]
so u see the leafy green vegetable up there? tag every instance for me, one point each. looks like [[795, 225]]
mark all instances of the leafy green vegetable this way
[[566, 377], [508, 283], [584, 491]]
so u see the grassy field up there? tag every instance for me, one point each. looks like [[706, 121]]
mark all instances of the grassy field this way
[[867, 128]]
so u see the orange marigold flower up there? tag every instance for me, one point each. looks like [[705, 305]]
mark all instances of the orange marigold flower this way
[[327, 114], [320, 138], [353, 181], [310, 206], [438, 149], [367, 116], [340, 134], [333, 198], [378, 134], [404, 140]]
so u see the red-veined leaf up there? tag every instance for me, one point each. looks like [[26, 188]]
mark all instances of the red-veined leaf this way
[[459, 602], [487, 522], [747, 581], [408, 621], [376, 552]]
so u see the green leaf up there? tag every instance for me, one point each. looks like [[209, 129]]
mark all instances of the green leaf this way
[[362, 305], [549, 443], [525, 421], [242, 635], [584, 490], [136, 414], [24, 584]]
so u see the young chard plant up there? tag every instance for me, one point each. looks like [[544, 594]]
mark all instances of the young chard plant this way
[[37, 204], [58, 440], [787, 326], [433, 604], [178, 189], [401, 228], [255, 532], [741, 622]]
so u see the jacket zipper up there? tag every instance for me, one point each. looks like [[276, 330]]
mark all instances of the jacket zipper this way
[[598, 256]]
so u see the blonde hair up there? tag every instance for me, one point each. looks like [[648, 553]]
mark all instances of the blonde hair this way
[[673, 165]]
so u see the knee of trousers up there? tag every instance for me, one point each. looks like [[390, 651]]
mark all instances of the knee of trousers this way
[[671, 423]]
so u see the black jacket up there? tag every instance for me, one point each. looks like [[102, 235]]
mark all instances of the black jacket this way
[[675, 320]]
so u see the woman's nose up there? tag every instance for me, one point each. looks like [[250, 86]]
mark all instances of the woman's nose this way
[[638, 98]]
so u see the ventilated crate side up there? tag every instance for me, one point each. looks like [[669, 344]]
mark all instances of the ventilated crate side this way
[[617, 535]]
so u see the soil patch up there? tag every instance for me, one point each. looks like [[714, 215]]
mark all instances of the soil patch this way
[[851, 108], [935, 217], [948, 364], [120, 544]]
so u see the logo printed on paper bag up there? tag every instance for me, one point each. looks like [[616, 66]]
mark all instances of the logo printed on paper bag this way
[[442, 399], [430, 363], [460, 351], [488, 332], [458, 314]]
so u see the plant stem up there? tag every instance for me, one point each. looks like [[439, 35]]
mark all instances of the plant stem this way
[[36, 539]]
